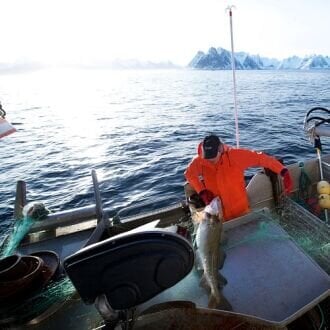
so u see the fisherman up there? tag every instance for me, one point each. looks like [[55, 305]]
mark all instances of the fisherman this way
[[218, 171]]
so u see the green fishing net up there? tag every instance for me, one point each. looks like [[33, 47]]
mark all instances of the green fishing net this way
[[56, 292], [32, 212], [263, 232], [54, 295], [14, 236], [308, 231]]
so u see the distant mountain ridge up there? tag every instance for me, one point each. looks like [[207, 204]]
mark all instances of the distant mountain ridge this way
[[220, 59], [118, 64]]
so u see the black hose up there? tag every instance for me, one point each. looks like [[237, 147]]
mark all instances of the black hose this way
[[321, 120], [317, 108]]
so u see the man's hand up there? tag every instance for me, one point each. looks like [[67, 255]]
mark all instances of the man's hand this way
[[287, 180], [206, 196]]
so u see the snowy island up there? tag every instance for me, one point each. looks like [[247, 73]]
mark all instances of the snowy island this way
[[220, 59]]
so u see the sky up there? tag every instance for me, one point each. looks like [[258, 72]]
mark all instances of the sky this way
[[99, 31]]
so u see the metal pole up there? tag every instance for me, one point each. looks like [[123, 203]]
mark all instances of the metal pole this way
[[20, 199], [234, 73]]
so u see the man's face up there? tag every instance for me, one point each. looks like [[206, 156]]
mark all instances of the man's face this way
[[217, 157]]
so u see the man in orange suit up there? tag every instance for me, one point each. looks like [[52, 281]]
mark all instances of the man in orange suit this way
[[218, 171]]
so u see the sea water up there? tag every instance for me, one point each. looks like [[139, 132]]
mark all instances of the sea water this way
[[140, 129]]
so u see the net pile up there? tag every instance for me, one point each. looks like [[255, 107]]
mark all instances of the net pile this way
[[58, 290], [56, 293], [308, 232]]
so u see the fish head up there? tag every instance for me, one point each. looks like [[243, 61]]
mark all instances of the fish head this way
[[214, 211], [214, 208], [213, 218]]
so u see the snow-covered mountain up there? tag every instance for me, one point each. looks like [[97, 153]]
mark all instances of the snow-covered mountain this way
[[215, 59], [248, 61], [269, 63], [314, 62], [293, 62], [195, 61], [327, 58], [220, 59]]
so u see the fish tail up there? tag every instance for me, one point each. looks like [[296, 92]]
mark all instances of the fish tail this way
[[213, 301], [224, 304], [219, 302]]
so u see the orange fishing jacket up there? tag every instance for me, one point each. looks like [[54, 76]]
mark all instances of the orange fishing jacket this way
[[226, 178]]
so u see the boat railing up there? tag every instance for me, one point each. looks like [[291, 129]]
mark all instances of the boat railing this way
[[88, 216]]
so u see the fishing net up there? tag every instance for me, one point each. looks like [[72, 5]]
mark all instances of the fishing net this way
[[32, 212], [14, 236], [264, 231], [57, 291], [54, 295], [305, 229], [308, 231]]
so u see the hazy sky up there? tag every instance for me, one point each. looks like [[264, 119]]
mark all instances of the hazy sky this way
[[82, 31]]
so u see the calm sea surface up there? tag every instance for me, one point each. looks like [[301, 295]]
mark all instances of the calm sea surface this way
[[139, 129]]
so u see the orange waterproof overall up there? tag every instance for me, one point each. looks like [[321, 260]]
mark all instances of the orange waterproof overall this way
[[226, 178]]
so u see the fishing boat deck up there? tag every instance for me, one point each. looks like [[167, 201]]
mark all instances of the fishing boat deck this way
[[258, 267], [63, 245]]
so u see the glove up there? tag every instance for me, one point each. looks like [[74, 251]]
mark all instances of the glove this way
[[206, 196], [287, 180]]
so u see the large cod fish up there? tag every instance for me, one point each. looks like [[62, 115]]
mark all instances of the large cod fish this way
[[211, 257]]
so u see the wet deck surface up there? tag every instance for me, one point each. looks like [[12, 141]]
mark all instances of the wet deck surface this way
[[63, 245], [268, 275]]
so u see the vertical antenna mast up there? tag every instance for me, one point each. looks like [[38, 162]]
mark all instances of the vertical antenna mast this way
[[234, 73]]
